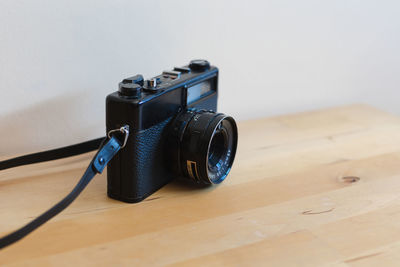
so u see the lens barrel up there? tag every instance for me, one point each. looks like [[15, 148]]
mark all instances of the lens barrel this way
[[202, 145]]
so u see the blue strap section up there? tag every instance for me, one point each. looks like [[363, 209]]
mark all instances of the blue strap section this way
[[109, 150]]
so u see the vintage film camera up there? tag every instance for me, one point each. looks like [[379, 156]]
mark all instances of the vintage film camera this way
[[174, 131]]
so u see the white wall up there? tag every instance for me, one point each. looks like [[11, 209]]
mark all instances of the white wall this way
[[59, 59]]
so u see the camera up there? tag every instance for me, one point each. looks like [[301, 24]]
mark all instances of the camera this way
[[175, 131]]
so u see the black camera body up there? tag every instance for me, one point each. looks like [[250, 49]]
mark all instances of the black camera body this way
[[164, 114]]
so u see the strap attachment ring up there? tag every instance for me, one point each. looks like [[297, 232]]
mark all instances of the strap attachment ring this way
[[124, 130]]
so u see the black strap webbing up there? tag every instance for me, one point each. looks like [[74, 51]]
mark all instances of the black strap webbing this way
[[54, 154]]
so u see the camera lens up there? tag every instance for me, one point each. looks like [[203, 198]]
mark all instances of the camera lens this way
[[202, 145]]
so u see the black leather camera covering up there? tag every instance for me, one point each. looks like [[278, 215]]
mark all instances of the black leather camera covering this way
[[146, 171]]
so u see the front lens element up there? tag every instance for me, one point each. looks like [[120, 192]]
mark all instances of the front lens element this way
[[217, 151]]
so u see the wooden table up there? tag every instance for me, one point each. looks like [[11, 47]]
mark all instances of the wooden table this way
[[310, 189]]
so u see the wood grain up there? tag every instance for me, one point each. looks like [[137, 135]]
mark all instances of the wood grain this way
[[318, 188]]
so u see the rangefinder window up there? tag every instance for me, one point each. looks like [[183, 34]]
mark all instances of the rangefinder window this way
[[198, 91]]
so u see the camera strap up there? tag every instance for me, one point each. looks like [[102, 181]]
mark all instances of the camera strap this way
[[107, 148]]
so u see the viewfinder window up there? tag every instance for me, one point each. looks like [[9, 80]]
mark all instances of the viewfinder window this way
[[198, 91]]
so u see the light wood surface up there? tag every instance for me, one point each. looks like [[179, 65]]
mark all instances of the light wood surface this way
[[318, 188]]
